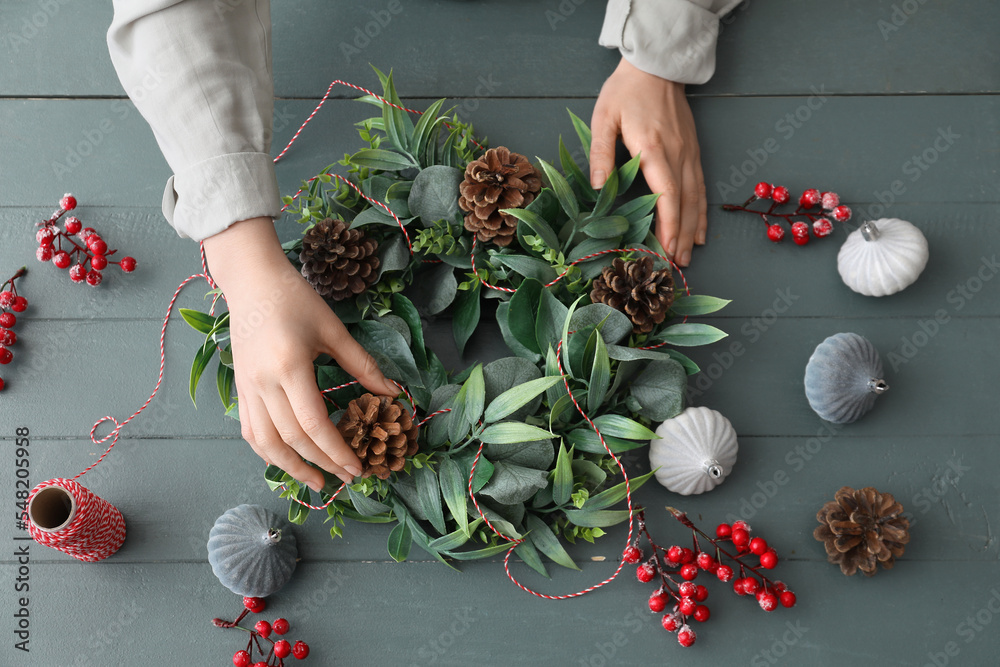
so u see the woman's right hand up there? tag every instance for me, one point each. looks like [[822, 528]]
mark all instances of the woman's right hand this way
[[279, 325]]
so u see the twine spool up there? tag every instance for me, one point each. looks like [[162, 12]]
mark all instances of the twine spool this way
[[64, 515]]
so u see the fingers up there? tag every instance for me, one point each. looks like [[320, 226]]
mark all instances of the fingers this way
[[691, 197], [604, 135], [702, 232], [264, 439], [661, 179], [355, 359]]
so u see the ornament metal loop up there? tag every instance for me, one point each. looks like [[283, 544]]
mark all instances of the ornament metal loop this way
[[714, 469], [877, 386], [869, 231], [273, 535]]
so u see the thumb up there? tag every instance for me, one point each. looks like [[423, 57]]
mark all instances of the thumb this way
[[604, 131], [356, 361]]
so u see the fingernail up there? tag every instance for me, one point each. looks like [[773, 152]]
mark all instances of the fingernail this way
[[345, 478], [701, 238], [353, 469], [314, 486], [597, 180], [672, 247], [685, 258]]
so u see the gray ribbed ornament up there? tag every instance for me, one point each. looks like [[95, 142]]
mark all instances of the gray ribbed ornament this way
[[252, 550], [844, 377]]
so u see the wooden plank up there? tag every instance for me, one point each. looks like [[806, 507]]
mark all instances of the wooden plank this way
[[939, 149], [128, 605], [548, 48]]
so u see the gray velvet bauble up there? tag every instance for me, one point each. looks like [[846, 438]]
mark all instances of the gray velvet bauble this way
[[844, 377], [252, 550]]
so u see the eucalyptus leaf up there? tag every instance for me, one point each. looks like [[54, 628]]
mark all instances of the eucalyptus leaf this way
[[607, 196], [434, 195], [430, 496], [485, 552], [453, 489], [512, 432], [514, 483], [610, 227], [399, 542], [600, 376], [585, 440], [389, 349], [637, 208], [466, 315], [197, 320], [523, 313], [615, 494], [582, 131], [515, 346], [529, 555], [404, 308], [536, 223], [365, 505], [627, 173], [562, 483], [529, 267], [571, 167], [591, 247], [659, 389], [393, 254], [552, 313], [376, 216], [505, 373]]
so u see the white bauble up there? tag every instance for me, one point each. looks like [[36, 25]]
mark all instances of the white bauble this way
[[882, 257], [695, 451]]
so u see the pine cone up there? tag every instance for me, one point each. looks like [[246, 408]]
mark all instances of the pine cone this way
[[861, 529], [381, 432], [634, 288], [338, 262], [499, 179]]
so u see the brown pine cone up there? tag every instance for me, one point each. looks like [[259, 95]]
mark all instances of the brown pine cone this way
[[634, 288], [861, 529], [381, 432], [499, 179], [338, 262]]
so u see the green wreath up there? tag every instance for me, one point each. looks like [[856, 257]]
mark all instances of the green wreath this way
[[542, 473]]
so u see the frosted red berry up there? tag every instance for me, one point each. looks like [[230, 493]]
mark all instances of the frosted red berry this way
[[687, 556], [750, 585], [6, 356], [68, 202], [740, 537], [20, 304], [738, 586], [762, 190], [687, 589], [86, 233], [6, 299], [674, 554], [61, 259], [45, 236], [701, 613], [78, 273], [127, 264], [723, 530], [670, 622], [822, 227], [98, 262], [254, 604], [689, 571], [7, 337], [282, 648], [706, 562], [767, 601], [631, 555], [768, 560], [686, 606], [830, 200], [787, 599], [97, 245], [7, 320], [43, 253], [645, 572], [686, 637], [300, 650], [701, 593], [809, 198], [779, 586], [758, 545], [724, 573], [658, 601], [842, 214], [780, 194], [241, 659], [94, 279], [73, 225], [742, 525], [263, 628], [775, 232], [280, 626]]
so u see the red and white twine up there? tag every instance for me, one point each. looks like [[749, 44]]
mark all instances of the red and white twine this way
[[96, 528]]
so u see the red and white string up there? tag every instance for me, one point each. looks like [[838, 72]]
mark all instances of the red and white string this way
[[96, 528]]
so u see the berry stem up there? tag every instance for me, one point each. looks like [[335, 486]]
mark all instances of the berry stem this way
[[683, 518], [10, 281], [770, 212]]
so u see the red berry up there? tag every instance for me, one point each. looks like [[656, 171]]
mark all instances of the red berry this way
[[742, 525], [724, 573], [740, 537], [775, 233], [767, 601], [689, 571], [842, 214], [77, 273], [260, 664], [701, 594], [809, 198], [701, 613], [73, 225], [1, 384], [20, 304], [128, 266], [738, 586], [7, 337], [44, 253], [687, 589], [686, 637], [61, 259], [631, 555], [86, 233], [706, 562], [300, 650], [780, 194], [7, 320], [670, 622], [97, 245], [254, 604], [99, 262], [280, 626], [241, 659], [800, 239], [687, 556], [5, 355], [686, 606], [674, 554], [723, 530], [282, 648], [822, 227], [787, 599], [830, 200], [768, 560], [45, 236], [751, 585], [800, 229], [263, 629], [758, 545], [779, 586], [658, 601], [644, 573], [762, 190], [94, 279], [68, 202], [6, 299]]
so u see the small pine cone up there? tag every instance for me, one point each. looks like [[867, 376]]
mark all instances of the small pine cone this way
[[634, 288], [861, 529], [381, 432], [499, 179], [338, 262]]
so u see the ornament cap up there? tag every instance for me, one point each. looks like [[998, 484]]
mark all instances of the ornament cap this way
[[877, 386], [714, 469], [869, 231], [273, 535]]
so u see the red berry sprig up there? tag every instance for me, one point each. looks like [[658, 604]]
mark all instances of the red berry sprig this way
[[278, 650], [84, 245], [664, 562], [818, 221], [10, 302]]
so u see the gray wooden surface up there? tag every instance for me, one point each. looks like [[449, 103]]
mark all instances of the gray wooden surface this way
[[869, 86]]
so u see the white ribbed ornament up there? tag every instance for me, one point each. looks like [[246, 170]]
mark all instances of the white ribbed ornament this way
[[695, 451], [882, 257]]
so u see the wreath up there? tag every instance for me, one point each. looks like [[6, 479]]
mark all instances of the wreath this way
[[520, 451]]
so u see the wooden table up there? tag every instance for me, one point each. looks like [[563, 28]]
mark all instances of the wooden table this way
[[853, 96]]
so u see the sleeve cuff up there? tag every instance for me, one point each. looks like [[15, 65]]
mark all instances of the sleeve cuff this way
[[673, 39], [209, 196]]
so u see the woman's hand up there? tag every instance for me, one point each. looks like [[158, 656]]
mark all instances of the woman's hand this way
[[653, 118], [279, 325]]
